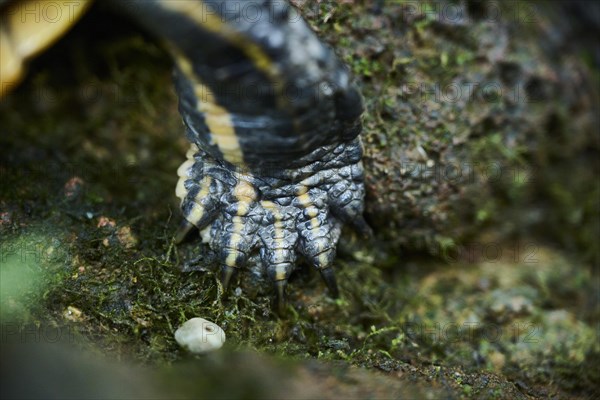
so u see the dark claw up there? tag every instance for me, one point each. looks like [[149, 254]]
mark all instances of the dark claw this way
[[361, 226], [280, 299], [226, 274], [183, 231], [329, 277]]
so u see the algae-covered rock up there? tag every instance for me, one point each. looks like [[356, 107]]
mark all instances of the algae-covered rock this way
[[478, 115]]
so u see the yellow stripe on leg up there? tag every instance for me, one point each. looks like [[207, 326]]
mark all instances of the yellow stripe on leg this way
[[200, 13], [197, 211], [217, 118], [278, 237]]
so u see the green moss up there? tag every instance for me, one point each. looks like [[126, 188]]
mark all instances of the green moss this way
[[31, 265]]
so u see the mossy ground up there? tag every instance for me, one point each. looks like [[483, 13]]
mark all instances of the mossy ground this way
[[90, 143]]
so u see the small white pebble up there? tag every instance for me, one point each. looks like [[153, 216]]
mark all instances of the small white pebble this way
[[200, 336]]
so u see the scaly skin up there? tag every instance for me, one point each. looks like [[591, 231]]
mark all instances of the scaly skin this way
[[282, 213], [274, 118]]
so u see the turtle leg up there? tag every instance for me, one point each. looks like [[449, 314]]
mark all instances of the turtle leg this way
[[283, 215], [279, 240], [199, 192], [318, 234], [234, 232]]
